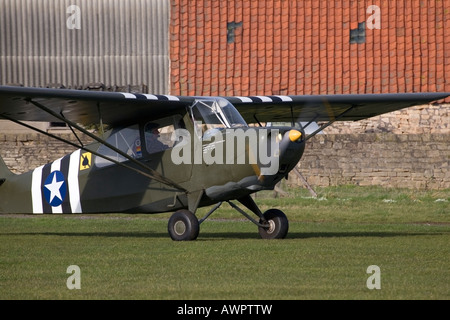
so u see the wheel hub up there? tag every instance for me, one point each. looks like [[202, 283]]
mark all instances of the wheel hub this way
[[179, 228], [271, 227]]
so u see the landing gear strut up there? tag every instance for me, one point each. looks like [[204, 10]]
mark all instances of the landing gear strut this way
[[272, 224]]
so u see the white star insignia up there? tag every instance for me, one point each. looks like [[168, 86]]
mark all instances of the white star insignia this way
[[54, 188]]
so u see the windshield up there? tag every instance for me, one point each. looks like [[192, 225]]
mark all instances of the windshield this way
[[215, 113]]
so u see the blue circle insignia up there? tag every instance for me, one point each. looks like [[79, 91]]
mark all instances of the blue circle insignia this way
[[55, 188]]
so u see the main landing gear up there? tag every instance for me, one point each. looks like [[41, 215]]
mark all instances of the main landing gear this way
[[183, 225], [273, 224]]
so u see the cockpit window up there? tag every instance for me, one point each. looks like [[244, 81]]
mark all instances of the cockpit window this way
[[126, 140], [158, 133], [215, 114]]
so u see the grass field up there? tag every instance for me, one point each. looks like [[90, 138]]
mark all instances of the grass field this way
[[332, 241]]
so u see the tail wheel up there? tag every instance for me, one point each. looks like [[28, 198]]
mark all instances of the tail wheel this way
[[278, 225], [183, 226]]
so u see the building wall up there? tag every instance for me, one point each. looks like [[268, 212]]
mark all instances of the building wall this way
[[415, 161], [244, 47], [7, 126], [77, 43], [424, 119], [237, 47], [26, 151]]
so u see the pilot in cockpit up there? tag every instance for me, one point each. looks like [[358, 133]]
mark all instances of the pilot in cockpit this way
[[152, 136]]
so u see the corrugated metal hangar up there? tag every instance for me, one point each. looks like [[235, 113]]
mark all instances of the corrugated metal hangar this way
[[84, 44]]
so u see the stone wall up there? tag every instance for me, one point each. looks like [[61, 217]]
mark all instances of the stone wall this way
[[414, 120], [24, 152], [419, 161]]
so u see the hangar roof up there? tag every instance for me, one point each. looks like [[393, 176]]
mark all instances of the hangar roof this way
[[244, 47]]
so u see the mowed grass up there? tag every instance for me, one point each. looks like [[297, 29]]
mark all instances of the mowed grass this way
[[332, 241]]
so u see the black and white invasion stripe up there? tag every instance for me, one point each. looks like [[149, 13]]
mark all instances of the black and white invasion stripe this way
[[260, 99], [69, 167], [141, 96]]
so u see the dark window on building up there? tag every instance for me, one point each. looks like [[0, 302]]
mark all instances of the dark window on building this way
[[231, 27], [358, 35], [57, 125]]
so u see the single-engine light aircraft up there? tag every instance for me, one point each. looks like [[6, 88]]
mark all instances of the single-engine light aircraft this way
[[165, 153]]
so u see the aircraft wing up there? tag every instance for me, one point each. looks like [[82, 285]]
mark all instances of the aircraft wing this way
[[116, 108], [85, 107], [327, 107]]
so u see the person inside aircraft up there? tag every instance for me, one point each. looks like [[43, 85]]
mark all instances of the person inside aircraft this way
[[152, 138]]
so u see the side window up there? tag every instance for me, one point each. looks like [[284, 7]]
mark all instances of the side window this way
[[126, 140], [158, 133]]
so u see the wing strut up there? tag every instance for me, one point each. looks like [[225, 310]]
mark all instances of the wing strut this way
[[82, 147], [328, 123], [311, 121], [153, 174], [73, 131]]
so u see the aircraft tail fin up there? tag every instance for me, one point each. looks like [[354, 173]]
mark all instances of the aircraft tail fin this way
[[4, 171]]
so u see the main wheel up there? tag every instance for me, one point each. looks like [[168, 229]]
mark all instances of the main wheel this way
[[183, 226], [278, 225]]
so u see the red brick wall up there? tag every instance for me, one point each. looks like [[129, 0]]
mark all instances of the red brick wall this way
[[303, 47]]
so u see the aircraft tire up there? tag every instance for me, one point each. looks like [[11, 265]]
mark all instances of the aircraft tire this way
[[183, 226], [279, 225]]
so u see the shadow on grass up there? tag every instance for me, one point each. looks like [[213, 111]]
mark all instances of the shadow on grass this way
[[228, 235]]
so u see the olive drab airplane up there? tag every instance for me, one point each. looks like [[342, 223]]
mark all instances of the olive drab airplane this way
[[165, 153]]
